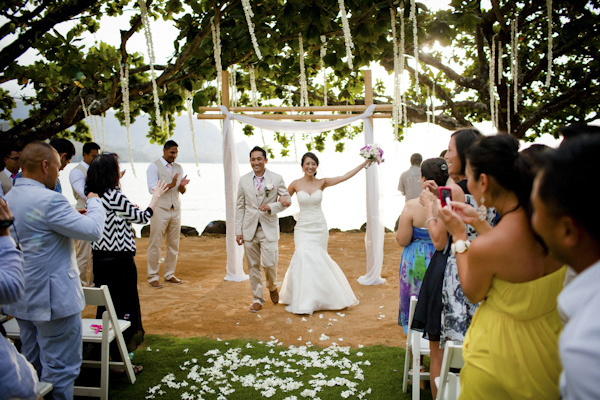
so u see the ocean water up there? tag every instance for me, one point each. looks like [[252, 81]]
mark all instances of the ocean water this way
[[344, 205]]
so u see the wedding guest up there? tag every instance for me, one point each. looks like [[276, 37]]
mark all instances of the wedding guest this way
[[113, 254], [18, 379], [77, 177], [49, 313], [66, 151], [167, 217], [443, 313], [410, 180], [515, 329], [11, 168], [572, 234], [412, 234]]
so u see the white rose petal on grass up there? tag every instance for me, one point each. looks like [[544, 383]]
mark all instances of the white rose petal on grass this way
[[186, 350], [360, 354], [148, 349], [360, 346]]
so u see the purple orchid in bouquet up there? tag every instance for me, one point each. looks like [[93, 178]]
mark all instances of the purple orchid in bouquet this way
[[373, 153]]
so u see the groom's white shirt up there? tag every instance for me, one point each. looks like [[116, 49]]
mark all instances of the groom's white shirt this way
[[249, 199]]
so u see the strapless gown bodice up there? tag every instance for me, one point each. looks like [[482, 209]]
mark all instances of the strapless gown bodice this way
[[313, 280]]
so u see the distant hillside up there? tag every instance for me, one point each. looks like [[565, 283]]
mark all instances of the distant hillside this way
[[209, 146]]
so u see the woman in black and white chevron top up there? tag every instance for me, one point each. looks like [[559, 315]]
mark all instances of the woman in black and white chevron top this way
[[113, 254]]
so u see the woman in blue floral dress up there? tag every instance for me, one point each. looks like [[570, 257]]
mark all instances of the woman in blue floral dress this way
[[413, 235]]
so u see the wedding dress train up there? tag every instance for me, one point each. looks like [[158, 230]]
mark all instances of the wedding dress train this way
[[313, 280]]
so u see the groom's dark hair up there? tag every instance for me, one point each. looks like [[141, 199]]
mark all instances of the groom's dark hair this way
[[256, 148]]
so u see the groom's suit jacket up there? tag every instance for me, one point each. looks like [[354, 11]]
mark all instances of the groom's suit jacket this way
[[249, 199]]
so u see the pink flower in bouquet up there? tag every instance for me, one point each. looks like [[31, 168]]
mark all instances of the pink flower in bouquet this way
[[373, 153]]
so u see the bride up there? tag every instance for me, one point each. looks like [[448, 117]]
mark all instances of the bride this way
[[313, 280]]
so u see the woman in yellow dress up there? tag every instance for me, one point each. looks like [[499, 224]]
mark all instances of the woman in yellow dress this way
[[511, 347]]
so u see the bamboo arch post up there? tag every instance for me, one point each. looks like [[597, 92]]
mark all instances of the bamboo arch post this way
[[375, 230]]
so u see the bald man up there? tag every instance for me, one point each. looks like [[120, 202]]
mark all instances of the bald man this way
[[49, 313]]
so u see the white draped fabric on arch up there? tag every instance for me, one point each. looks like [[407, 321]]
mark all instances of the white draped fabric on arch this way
[[375, 230]]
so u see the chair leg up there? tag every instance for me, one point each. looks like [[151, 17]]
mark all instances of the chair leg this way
[[416, 369], [105, 357], [406, 368]]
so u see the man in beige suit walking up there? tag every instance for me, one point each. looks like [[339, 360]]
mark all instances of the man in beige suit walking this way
[[257, 224], [166, 220]]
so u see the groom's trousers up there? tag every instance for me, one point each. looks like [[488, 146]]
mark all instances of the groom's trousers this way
[[260, 250]]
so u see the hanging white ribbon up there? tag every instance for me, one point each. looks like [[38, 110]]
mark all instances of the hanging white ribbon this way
[[375, 229]]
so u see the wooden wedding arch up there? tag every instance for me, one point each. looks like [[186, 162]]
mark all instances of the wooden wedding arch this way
[[374, 236]]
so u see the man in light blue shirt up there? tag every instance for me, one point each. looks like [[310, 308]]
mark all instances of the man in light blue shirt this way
[[49, 313]]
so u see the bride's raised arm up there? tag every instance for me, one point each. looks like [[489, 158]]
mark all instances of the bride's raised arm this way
[[346, 176]]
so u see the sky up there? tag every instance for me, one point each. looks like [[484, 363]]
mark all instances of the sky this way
[[426, 138]]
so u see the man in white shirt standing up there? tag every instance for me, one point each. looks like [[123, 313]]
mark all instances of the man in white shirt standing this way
[[77, 177], [571, 231], [11, 168], [410, 180], [166, 220]]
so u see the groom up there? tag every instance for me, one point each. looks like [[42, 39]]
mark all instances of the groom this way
[[257, 224]]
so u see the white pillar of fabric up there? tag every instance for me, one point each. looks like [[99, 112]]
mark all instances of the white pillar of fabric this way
[[375, 229], [235, 252]]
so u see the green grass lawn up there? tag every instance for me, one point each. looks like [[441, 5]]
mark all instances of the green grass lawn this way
[[199, 368]]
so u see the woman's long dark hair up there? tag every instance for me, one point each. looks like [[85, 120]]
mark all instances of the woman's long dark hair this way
[[310, 155], [498, 157], [103, 174]]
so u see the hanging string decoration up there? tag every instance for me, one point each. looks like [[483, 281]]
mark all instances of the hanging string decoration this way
[[432, 105], [492, 76], [216, 37], [253, 90], [322, 65], [150, 45], [189, 103], [303, 86], [413, 16], [549, 73], [514, 57], [402, 60], [103, 132], [249, 15], [428, 112], [347, 34], [396, 104], [88, 119], [124, 72], [508, 107], [233, 85]]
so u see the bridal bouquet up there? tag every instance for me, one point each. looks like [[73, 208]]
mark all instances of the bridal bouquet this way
[[373, 153]]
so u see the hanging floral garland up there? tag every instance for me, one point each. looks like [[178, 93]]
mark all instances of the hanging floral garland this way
[[322, 53], [150, 45], [103, 132], [189, 104], [492, 78], [216, 37], [303, 86], [508, 107], [514, 57], [347, 34], [88, 119], [233, 85], [396, 105], [432, 105], [428, 103], [249, 15], [402, 60], [125, 93], [549, 73], [413, 16], [253, 90]]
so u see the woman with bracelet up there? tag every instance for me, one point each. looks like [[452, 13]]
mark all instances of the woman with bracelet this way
[[511, 347], [113, 255], [413, 235]]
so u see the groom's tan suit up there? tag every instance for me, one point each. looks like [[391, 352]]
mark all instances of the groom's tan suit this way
[[260, 229]]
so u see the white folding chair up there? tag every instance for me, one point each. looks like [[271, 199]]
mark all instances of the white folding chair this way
[[448, 383], [416, 346], [112, 328]]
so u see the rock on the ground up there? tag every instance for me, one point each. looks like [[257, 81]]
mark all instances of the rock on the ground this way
[[185, 231], [215, 228], [287, 224], [363, 228]]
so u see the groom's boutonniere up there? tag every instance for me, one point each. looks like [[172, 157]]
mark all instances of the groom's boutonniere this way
[[268, 188]]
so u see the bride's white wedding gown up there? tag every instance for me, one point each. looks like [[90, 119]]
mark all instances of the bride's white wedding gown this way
[[313, 280]]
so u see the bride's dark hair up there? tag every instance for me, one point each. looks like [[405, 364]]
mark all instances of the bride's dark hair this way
[[310, 155]]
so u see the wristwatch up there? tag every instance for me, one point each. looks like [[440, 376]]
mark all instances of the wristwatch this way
[[460, 246], [5, 223]]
